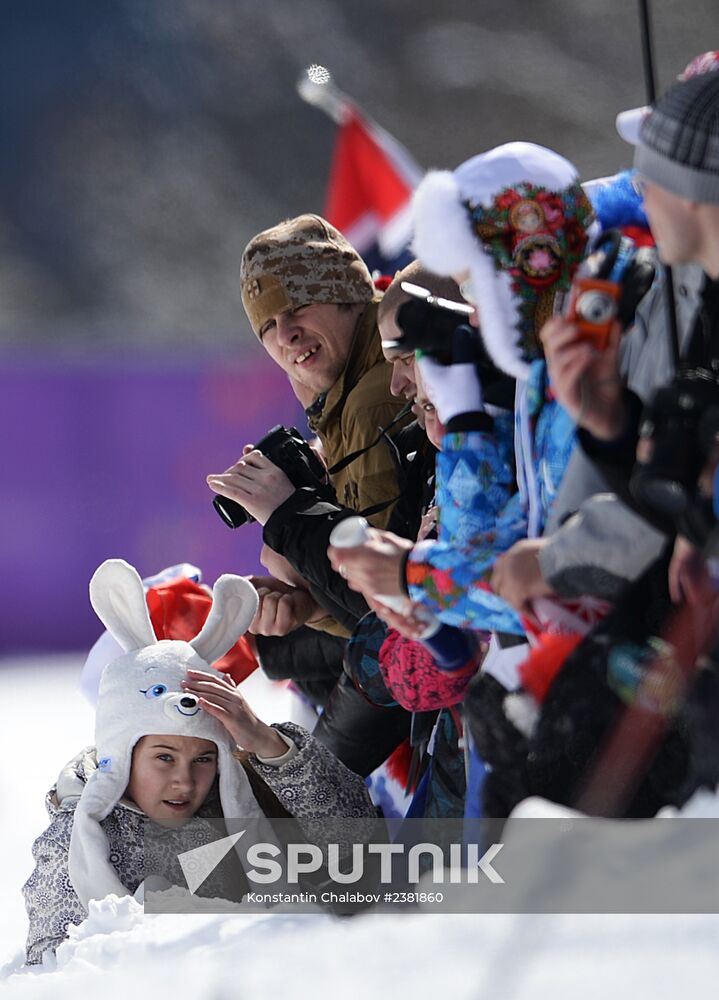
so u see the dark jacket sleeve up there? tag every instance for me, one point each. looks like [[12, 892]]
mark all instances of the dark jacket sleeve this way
[[300, 528], [362, 723], [300, 531], [360, 734], [615, 461], [306, 655]]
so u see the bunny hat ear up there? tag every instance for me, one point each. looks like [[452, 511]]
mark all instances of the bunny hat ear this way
[[140, 694], [234, 605], [118, 597]]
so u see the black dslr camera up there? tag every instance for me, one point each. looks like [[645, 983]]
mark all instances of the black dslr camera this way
[[609, 286], [288, 450], [438, 327], [676, 435]]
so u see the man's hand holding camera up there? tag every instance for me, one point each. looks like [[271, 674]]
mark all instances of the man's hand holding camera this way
[[582, 347], [255, 482]]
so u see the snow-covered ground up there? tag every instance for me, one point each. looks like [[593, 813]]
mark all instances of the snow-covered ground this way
[[45, 721]]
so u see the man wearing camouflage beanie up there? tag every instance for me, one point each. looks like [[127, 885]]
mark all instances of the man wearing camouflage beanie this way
[[312, 303]]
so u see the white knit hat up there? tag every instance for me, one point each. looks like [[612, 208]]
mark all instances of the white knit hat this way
[[140, 695], [516, 218]]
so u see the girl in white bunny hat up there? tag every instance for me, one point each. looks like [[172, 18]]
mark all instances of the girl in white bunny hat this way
[[172, 736]]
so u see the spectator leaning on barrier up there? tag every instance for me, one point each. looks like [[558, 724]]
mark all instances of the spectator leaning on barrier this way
[[311, 301], [556, 753], [513, 224], [604, 544], [677, 159]]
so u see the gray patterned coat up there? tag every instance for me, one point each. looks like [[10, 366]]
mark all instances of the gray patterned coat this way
[[312, 785]]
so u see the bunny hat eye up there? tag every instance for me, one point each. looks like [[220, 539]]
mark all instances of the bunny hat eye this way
[[156, 691]]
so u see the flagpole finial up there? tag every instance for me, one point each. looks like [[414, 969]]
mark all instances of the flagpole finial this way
[[315, 86]]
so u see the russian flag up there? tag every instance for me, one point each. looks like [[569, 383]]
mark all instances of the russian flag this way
[[372, 178]]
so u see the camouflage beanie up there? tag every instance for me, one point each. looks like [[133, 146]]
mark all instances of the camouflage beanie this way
[[298, 262]]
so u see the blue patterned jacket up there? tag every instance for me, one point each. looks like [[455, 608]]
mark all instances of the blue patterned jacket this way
[[482, 514]]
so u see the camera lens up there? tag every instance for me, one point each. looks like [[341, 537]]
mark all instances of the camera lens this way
[[595, 307], [232, 513]]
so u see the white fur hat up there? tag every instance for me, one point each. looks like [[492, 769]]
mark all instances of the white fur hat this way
[[504, 216], [140, 694]]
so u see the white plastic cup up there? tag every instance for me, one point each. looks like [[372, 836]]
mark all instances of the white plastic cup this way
[[350, 533], [354, 531]]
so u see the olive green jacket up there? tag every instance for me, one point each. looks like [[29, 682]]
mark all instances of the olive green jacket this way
[[354, 409]]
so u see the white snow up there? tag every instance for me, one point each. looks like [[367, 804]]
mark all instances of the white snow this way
[[216, 956]]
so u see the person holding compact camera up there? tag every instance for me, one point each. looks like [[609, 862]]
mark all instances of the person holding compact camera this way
[[677, 159], [659, 460], [593, 542]]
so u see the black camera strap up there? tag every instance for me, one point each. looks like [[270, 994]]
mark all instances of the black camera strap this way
[[348, 459], [383, 435]]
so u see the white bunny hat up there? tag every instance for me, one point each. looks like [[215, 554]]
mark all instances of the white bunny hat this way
[[140, 694], [454, 213]]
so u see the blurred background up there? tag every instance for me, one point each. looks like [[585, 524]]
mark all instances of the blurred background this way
[[144, 142]]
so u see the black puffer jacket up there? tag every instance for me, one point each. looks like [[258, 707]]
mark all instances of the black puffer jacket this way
[[360, 734], [300, 528], [310, 658]]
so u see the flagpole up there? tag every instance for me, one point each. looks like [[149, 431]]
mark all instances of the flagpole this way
[[316, 87], [387, 172], [651, 92], [647, 52]]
